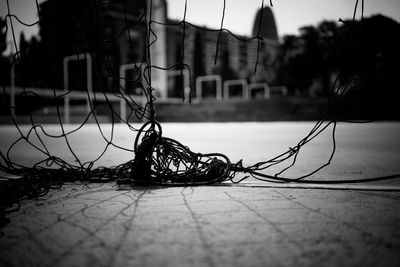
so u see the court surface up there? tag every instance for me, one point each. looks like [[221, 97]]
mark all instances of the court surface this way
[[250, 224]]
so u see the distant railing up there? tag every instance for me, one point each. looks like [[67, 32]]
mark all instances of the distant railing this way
[[257, 86], [278, 90], [76, 95], [242, 82], [209, 78], [186, 81], [89, 95], [247, 89]]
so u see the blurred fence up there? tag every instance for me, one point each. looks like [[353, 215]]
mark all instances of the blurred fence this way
[[218, 91]]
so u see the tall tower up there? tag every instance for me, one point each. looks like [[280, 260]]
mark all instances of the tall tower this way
[[268, 26], [265, 25]]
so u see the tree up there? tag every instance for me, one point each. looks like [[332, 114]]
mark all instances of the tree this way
[[295, 71], [370, 54]]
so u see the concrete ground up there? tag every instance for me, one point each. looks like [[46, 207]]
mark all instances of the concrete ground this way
[[250, 224]]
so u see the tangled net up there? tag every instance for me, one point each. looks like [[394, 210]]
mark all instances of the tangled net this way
[[159, 160]]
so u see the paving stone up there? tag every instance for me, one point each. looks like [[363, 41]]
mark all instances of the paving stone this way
[[204, 226]]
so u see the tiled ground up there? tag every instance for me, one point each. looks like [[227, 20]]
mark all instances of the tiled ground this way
[[247, 225], [97, 225]]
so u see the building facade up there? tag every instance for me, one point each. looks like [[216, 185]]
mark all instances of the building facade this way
[[208, 51], [115, 34]]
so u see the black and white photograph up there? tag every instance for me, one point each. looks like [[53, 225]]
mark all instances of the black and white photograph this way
[[207, 133]]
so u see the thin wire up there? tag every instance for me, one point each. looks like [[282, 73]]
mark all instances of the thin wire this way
[[220, 33], [258, 35]]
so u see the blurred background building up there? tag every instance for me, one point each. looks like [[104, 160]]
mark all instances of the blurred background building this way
[[365, 54], [114, 33]]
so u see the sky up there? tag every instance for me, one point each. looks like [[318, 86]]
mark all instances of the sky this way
[[239, 14], [289, 14]]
